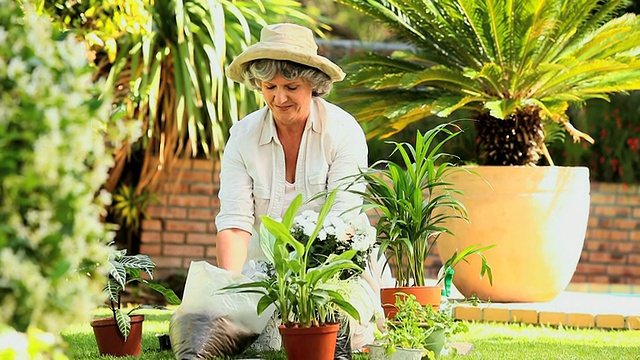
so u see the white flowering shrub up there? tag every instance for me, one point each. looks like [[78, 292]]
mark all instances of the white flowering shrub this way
[[337, 235], [53, 162]]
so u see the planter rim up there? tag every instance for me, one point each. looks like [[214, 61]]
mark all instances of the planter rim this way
[[108, 321], [397, 347]]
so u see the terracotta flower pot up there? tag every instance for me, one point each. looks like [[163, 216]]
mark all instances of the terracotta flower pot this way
[[312, 343], [111, 342], [425, 295]]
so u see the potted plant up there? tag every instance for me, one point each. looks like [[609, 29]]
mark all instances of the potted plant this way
[[409, 198], [515, 67], [303, 290], [121, 333], [415, 332]]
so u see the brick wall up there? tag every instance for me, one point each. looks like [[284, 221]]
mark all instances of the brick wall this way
[[181, 228], [611, 253]]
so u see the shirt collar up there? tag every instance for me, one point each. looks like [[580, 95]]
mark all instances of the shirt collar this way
[[269, 126]]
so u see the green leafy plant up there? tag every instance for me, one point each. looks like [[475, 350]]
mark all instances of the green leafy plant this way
[[459, 256], [53, 161], [413, 324], [166, 61], [514, 64], [304, 295], [123, 270], [409, 197]]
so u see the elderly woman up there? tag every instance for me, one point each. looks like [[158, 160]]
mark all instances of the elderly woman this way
[[298, 144]]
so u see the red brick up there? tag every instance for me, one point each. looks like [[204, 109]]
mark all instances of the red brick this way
[[619, 235], [581, 320], [189, 200], [584, 257], [623, 247], [201, 214], [600, 198], [606, 223], [211, 252], [611, 211], [636, 213], [596, 245], [151, 249], [155, 211], [191, 176], [552, 318], [182, 163], [634, 259], [600, 279], [632, 200], [610, 187], [151, 225], [625, 224], [167, 262], [628, 270], [171, 212], [634, 235], [175, 187], [495, 314], [215, 202], [578, 278], [599, 234], [591, 269], [173, 237], [599, 257], [204, 164], [203, 239], [183, 250], [610, 321], [186, 226], [203, 189], [211, 227], [150, 237]]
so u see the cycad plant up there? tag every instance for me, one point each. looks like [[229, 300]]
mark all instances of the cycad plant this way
[[514, 64]]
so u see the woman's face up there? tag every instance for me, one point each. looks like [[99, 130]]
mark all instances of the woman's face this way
[[289, 100]]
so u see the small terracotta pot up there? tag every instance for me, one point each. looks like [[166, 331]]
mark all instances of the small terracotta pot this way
[[425, 295], [312, 343], [111, 342]]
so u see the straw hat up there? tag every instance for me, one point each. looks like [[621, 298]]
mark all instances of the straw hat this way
[[285, 42]]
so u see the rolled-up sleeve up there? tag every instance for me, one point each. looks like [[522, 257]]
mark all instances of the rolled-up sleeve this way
[[236, 189], [349, 157]]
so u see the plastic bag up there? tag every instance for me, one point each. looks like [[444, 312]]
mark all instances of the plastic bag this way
[[210, 322]]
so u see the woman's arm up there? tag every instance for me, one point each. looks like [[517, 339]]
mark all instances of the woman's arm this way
[[232, 248], [236, 217]]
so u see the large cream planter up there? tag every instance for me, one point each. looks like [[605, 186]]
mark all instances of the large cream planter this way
[[536, 217]]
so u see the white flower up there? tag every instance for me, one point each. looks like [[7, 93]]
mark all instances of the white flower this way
[[50, 206], [16, 68]]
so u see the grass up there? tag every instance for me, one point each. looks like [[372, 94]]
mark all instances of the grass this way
[[490, 341]]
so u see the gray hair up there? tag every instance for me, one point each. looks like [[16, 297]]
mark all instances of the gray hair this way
[[266, 69]]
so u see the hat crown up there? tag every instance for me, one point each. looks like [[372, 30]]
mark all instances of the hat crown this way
[[289, 35]]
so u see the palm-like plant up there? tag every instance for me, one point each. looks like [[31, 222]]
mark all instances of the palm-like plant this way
[[166, 61], [516, 64], [173, 76]]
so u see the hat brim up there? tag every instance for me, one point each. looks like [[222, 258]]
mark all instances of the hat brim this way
[[294, 54]]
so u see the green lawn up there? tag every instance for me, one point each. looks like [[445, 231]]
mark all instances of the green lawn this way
[[490, 341]]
